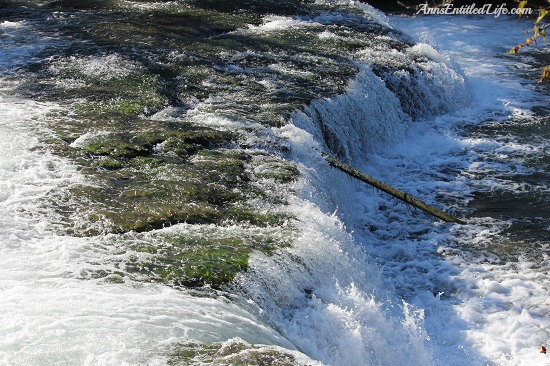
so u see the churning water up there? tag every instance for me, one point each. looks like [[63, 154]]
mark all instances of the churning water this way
[[434, 106]]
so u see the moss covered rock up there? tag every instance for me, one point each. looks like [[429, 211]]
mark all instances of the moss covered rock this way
[[236, 352]]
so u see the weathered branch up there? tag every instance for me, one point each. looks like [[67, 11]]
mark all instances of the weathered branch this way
[[407, 198]]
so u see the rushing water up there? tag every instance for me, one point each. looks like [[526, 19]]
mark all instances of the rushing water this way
[[438, 110]]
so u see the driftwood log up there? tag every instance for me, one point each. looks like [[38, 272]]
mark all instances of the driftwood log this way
[[407, 198]]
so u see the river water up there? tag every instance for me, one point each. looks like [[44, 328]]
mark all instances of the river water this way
[[444, 114]]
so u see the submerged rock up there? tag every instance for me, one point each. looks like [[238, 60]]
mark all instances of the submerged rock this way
[[237, 352], [168, 111]]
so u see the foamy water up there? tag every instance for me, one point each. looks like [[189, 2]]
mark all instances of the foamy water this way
[[52, 312], [366, 281], [496, 311], [470, 305]]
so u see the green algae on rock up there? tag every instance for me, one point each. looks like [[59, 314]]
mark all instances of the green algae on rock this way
[[196, 255], [150, 192], [159, 173], [270, 167], [195, 262]]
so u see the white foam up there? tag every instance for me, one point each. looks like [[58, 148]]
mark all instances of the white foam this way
[[367, 10], [61, 321], [100, 68], [351, 317], [497, 313], [7, 25], [277, 23]]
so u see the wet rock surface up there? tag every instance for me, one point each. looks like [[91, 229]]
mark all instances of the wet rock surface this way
[[144, 86]]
